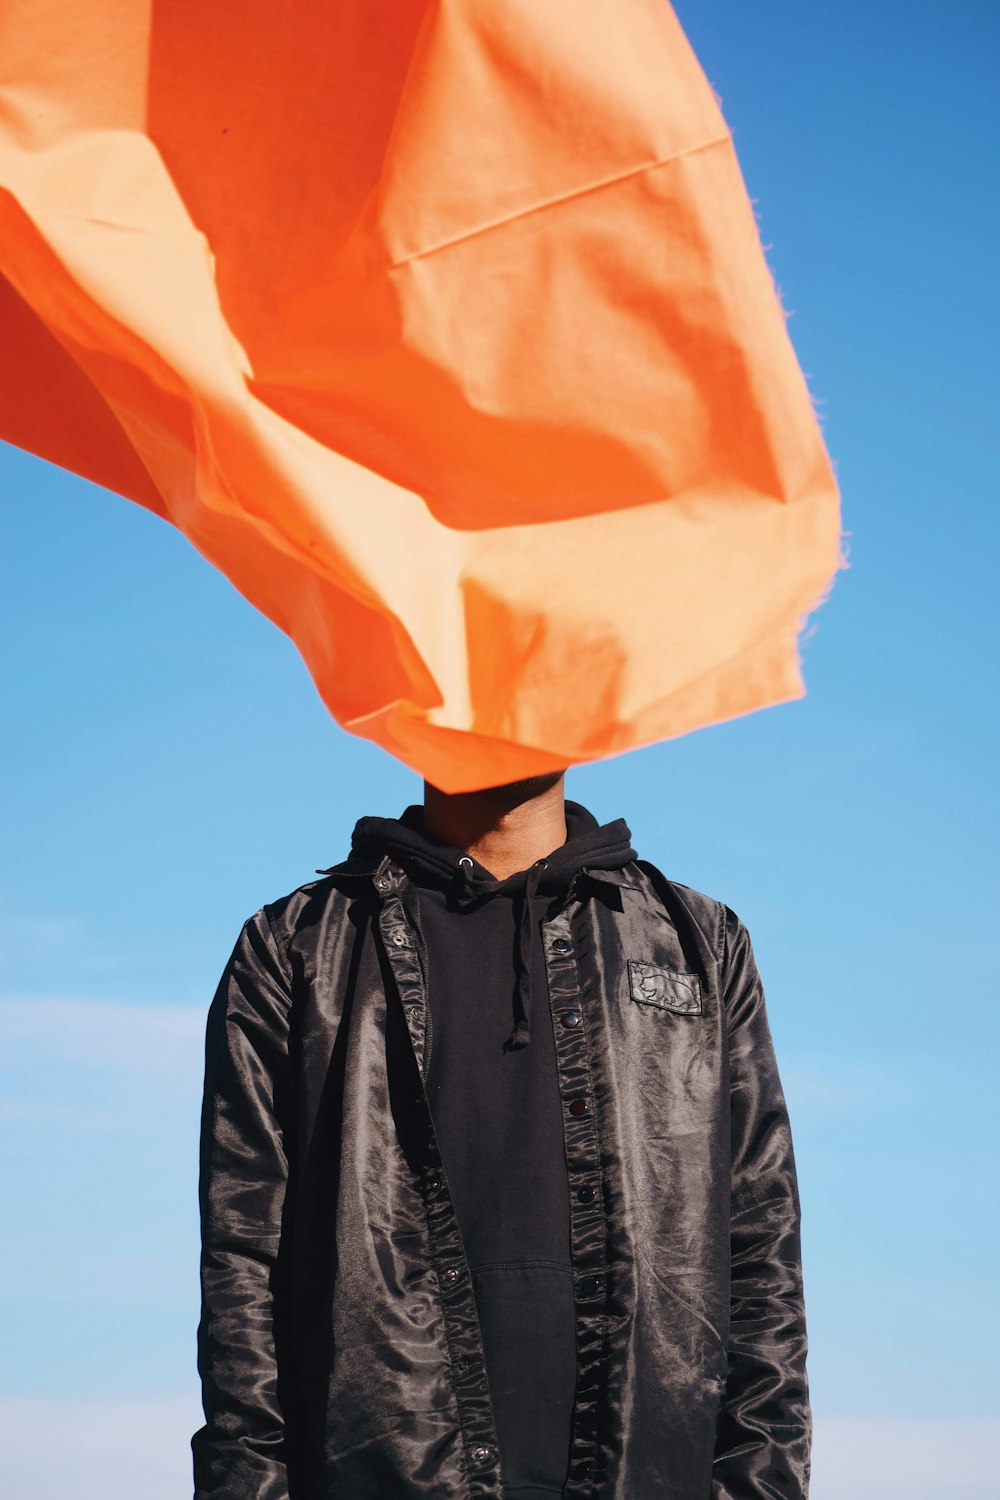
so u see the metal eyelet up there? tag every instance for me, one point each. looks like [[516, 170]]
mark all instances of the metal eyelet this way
[[469, 863]]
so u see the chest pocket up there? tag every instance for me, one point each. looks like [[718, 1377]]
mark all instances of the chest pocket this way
[[665, 988]]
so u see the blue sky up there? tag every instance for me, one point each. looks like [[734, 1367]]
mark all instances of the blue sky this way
[[168, 767]]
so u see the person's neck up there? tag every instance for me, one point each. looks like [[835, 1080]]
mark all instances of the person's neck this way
[[504, 828]]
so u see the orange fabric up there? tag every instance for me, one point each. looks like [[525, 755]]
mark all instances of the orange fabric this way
[[444, 331]]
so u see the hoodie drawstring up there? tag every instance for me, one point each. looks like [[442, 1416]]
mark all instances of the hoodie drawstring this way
[[521, 1035], [526, 938]]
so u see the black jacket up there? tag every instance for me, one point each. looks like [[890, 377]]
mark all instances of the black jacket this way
[[340, 1346], [493, 1090]]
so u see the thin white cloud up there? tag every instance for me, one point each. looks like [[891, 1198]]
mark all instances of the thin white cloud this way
[[25, 927], [98, 1450], [39, 1112], [147, 1037], [881, 1458], [100, 1103], [816, 1090], [92, 1065], [92, 1450]]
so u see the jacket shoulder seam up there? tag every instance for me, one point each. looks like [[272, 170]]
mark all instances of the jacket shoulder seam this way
[[716, 907], [277, 948], [698, 915]]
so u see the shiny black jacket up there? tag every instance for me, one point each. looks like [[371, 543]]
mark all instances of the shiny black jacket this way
[[339, 1344]]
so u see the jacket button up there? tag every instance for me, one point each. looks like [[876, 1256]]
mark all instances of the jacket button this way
[[571, 1018], [561, 946], [590, 1286], [578, 1107], [483, 1454], [433, 1182], [399, 939], [451, 1274], [586, 1194]]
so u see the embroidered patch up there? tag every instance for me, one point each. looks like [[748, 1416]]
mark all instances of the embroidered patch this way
[[667, 989]]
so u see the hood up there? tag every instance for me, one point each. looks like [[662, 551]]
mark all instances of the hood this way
[[432, 861]]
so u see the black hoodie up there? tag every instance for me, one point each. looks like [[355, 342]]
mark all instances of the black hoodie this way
[[491, 1084]]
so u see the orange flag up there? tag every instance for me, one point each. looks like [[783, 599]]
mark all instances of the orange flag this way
[[444, 331]]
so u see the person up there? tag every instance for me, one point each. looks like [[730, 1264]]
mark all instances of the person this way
[[497, 1188]]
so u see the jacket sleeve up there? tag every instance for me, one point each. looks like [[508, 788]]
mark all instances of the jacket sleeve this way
[[239, 1452], [765, 1426]]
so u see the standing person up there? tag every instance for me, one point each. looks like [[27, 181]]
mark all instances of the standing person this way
[[497, 1186]]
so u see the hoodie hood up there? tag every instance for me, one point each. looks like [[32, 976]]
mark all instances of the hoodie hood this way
[[428, 860]]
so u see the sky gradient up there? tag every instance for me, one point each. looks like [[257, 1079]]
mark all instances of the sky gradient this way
[[168, 767]]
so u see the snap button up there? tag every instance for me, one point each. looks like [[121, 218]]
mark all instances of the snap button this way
[[483, 1454], [433, 1182], [578, 1107], [451, 1274], [586, 1194], [382, 883], [590, 1286], [560, 945], [571, 1018], [399, 939]]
